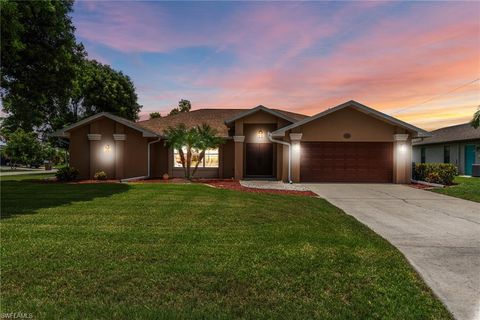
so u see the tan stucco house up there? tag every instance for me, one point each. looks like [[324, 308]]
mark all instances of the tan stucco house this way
[[348, 143]]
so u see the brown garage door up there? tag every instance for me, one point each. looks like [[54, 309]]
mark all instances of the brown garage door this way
[[346, 162]]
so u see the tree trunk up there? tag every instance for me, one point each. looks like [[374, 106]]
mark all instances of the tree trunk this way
[[182, 159], [189, 161], [200, 159]]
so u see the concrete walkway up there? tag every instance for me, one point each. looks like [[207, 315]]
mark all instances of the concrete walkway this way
[[33, 171], [269, 184], [439, 235]]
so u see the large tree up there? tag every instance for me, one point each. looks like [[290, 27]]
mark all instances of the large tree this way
[[155, 115], [183, 106], [23, 148], [476, 119], [47, 82], [39, 57], [99, 88]]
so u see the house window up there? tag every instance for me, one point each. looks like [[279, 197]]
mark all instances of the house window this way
[[209, 161], [446, 154], [422, 155]]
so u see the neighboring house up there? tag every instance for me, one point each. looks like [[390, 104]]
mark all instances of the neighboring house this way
[[347, 143], [459, 145]]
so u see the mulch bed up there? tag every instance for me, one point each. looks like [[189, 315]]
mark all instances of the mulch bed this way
[[94, 181], [420, 186], [173, 180], [235, 185], [228, 184]]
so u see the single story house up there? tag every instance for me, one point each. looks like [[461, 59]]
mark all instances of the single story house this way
[[348, 143], [459, 145]]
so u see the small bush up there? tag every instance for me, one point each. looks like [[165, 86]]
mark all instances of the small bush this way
[[442, 173], [433, 177], [67, 174], [100, 175]]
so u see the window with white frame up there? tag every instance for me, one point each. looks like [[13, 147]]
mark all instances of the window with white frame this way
[[209, 161]]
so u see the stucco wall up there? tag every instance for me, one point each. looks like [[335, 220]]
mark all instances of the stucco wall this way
[[228, 159], [351, 125], [360, 126], [91, 156], [79, 149], [201, 173], [250, 132], [102, 159], [158, 159], [135, 154], [248, 127]]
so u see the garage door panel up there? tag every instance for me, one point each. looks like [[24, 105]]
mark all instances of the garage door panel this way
[[346, 162]]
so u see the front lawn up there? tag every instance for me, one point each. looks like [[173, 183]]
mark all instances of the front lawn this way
[[465, 188], [27, 177], [134, 251]]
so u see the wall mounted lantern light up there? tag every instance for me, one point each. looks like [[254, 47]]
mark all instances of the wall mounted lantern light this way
[[107, 148], [260, 134]]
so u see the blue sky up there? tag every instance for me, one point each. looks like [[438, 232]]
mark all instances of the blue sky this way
[[301, 56]]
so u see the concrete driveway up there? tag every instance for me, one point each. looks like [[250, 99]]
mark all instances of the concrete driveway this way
[[439, 235]]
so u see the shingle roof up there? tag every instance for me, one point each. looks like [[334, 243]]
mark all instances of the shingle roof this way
[[461, 132], [64, 132], [215, 118]]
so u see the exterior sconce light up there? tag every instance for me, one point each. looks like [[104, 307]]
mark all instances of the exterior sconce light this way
[[107, 148], [260, 134], [296, 147], [402, 148]]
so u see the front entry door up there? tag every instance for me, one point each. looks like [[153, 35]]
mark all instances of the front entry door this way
[[469, 158], [259, 159]]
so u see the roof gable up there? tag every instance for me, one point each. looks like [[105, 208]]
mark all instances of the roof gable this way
[[360, 107], [264, 109], [64, 132]]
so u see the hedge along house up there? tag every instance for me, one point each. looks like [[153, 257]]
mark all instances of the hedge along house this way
[[348, 143]]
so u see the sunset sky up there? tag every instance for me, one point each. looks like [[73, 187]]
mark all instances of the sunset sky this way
[[418, 61]]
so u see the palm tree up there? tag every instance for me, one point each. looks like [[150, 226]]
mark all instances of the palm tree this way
[[186, 140], [207, 139], [178, 138], [476, 119]]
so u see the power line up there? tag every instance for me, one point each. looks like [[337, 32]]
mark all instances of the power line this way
[[437, 96]]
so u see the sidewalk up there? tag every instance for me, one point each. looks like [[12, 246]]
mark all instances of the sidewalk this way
[[24, 171]]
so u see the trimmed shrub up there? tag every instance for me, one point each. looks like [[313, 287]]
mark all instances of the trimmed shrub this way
[[67, 174], [442, 173], [100, 175], [433, 177]]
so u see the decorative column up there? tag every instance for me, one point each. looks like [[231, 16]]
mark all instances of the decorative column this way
[[295, 154], [119, 154], [94, 139], [239, 156], [402, 158]]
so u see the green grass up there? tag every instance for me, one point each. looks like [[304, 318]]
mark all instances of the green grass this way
[[150, 251], [27, 177], [14, 170], [466, 188]]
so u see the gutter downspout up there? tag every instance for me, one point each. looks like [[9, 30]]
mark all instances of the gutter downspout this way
[[148, 164], [289, 154]]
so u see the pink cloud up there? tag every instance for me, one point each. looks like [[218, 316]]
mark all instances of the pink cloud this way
[[399, 61], [385, 69]]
